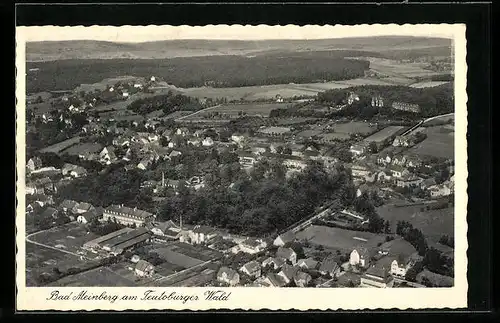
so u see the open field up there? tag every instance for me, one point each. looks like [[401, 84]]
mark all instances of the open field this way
[[98, 277], [229, 111], [60, 146], [86, 49], [353, 127], [421, 85], [69, 237], [43, 260], [394, 68], [439, 143], [433, 223], [340, 239]]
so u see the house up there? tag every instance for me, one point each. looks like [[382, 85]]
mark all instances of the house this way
[[252, 269], [399, 160], [357, 149], [81, 208], [107, 155], [274, 262], [308, 263], [329, 267], [202, 234], [34, 163], [174, 153], [359, 257], [352, 97], [126, 215], [90, 215], [360, 171], [288, 254], [67, 168], [153, 137], [67, 205], [182, 131], [409, 181], [135, 259], [279, 98], [207, 142], [246, 159], [199, 133], [302, 279], [237, 138], [168, 134], [384, 159], [162, 228], [397, 171], [78, 172], [377, 276], [228, 276], [362, 189], [194, 142], [252, 246], [439, 190], [400, 256], [288, 272], [377, 101], [274, 280], [284, 238], [144, 269], [121, 141], [383, 177]]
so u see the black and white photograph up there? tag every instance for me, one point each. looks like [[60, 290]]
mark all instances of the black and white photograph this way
[[226, 158]]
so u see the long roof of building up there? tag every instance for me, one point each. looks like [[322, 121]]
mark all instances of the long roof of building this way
[[128, 211]]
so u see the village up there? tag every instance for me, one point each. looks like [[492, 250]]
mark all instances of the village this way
[[396, 167]]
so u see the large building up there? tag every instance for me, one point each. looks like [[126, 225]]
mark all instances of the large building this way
[[403, 106], [119, 241], [127, 216]]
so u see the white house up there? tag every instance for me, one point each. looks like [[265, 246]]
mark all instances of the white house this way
[[252, 269], [144, 269], [228, 276], [359, 257], [207, 142]]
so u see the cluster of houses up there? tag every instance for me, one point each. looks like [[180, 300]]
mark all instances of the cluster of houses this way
[[379, 267]]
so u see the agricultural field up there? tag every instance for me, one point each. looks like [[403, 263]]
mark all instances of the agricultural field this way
[[339, 239], [353, 127], [230, 111], [432, 223], [69, 237], [394, 68], [40, 260], [98, 277], [421, 85], [439, 143]]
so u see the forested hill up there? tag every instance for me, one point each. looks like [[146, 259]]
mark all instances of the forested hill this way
[[215, 71], [90, 49]]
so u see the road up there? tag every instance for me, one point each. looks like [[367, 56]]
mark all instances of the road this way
[[305, 223], [50, 247], [439, 116], [200, 111]]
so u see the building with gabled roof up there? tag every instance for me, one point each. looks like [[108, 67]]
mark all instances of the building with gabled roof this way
[[126, 215], [228, 276], [252, 269]]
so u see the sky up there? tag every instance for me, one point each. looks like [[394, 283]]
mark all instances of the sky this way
[[238, 32]]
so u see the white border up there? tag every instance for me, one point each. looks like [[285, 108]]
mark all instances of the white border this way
[[34, 298]]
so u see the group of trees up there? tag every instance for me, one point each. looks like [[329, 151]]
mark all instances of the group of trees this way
[[433, 259], [257, 206], [215, 71], [169, 103]]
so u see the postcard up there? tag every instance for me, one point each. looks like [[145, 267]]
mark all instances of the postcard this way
[[241, 167]]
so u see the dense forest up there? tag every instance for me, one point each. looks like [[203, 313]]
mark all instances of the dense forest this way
[[169, 103], [216, 71]]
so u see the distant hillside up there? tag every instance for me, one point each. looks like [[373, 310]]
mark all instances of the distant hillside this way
[[89, 49]]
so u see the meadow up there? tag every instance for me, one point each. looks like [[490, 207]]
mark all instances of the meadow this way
[[432, 223], [440, 142]]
